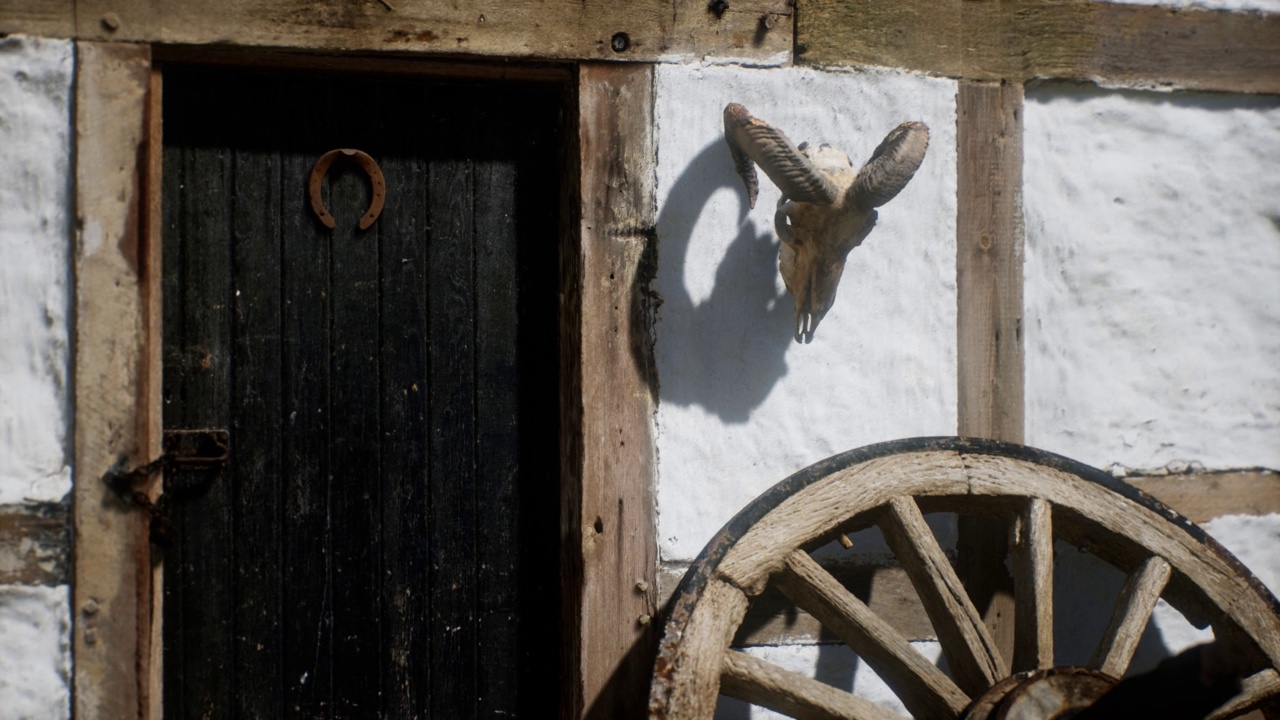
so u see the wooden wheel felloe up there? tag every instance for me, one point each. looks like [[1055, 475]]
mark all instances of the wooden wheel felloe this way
[[1043, 497]]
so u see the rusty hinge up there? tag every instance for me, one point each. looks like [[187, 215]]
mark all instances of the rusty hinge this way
[[205, 451]]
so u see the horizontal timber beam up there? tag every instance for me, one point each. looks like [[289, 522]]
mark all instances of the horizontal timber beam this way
[[35, 544], [1112, 44], [754, 31], [1203, 496]]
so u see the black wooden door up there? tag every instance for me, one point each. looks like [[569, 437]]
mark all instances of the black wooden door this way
[[384, 541]]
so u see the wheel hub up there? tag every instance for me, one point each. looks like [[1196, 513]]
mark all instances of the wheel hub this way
[[1053, 694]]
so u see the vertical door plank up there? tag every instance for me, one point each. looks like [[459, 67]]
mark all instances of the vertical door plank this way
[[355, 474], [256, 460], [452, 519], [173, 630], [989, 256], [203, 388], [308, 592], [404, 387], [498, 468]]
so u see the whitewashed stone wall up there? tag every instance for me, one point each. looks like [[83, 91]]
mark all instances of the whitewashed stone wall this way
[[35, 282], [1153, 277]]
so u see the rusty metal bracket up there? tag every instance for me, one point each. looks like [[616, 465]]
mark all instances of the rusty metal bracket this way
[[207, 450], [370, 168]]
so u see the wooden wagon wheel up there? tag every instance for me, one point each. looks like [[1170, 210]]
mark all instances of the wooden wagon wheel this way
[[1044, 497]]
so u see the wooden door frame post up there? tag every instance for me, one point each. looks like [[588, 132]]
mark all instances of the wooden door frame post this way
[[608, 534], [115, 427]]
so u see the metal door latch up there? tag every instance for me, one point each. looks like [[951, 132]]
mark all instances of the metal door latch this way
[[206, 450]]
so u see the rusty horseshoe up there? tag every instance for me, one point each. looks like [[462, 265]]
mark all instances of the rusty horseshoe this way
[[371, 169]]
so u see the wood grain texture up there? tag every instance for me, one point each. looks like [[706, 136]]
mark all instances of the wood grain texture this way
[[1114, 44], [151, 387], [989, 257], [614, 534], [773, 619], [761, 683], [110, 552], [35, 544], [1133, 610], [922, 687], [1033, 587], [971, 652], [990, 358], [1203, 496], [50, 18], [805, 517], [757, 30], [694, 684], [1257, 689]]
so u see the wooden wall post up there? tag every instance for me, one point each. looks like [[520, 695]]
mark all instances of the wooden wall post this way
[[110, 596], [610, 587], [989, 256]]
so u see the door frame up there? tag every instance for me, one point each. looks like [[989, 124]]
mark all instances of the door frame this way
[[608, 389]]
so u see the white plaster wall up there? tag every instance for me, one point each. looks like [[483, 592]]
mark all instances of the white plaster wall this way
[[1153, 277], [35, 282], [1257, 5], [742, 405], [35, 268], [35, 653]]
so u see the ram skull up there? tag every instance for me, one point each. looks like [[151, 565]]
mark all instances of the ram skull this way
[[826, 208]]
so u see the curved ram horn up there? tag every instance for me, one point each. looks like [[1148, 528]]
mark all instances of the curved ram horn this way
[[891, 166], [750, 140]]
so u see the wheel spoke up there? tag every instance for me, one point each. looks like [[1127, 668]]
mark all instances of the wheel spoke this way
[[1033, 587], [975, 661], [1253, 691], [925, 690], [1133, 610], [762, 683]]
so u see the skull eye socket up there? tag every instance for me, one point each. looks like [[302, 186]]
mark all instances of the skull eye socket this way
[[782, 224]]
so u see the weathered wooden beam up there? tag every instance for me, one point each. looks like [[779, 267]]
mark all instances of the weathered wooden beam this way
[[451, 68], [35, 544], [150, 393], [50, 18], [111, 562], [1113, 44], [989, 257], [1203, 496], [989, 251], [612, 533], [759, 31]]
